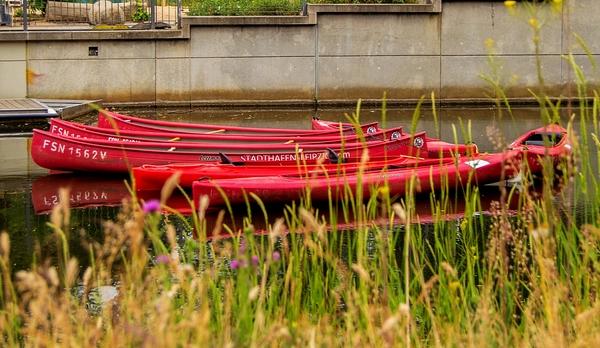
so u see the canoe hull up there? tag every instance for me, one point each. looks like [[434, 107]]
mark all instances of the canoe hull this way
[[152, 177], [76, 130], [476, 170], [56, 152], [436, 147], [549, 143], [113, 120]]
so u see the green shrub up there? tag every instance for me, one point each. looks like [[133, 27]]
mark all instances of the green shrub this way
[[363, 1], [140, 15], [266, 7], [244, 7]]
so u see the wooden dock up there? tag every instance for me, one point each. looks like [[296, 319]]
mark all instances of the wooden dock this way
[[15, 109], [27, 108]]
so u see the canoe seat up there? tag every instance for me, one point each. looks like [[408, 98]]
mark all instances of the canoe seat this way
[[536, 142], [543, 139]]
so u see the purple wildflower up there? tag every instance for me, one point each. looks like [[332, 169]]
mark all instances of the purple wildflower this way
[[254, 260], [276, 256], [151, 206], [242, 248], [234, 264], [163, 259]]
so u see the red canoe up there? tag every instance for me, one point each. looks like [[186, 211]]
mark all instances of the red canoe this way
[[318, 124], [550, 141], [484, 168], [53, 151], [113, 120], [77, 130], [153, 177], [436, 147], [478, 169]]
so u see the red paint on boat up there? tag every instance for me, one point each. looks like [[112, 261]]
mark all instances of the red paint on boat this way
[[57, 152], [551, 141], [77, 130], [153, 177], [545, 142], [113, 120], [480, 169], [436, 147]]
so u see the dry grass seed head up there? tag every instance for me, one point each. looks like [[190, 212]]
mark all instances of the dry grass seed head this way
[[4, 246], [61, 213], [203, 204], [169, 186], [312, 225], [72, 272], [361, 272], [278, 230], [400, 212], [218, 227]]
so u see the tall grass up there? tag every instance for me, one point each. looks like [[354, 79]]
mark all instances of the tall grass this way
[[526, 274]]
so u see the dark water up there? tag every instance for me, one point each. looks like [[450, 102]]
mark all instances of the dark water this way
[[28, 193]]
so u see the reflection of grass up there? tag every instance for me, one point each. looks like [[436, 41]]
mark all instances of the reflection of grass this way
[[527, 275]]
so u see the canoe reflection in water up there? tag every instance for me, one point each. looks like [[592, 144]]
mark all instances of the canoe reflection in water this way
[[96, 191], [84, 191]]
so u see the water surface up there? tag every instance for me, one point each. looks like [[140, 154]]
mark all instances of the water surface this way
[[28, 192]]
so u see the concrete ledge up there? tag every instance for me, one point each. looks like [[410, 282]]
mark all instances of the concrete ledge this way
[[263, 104], [82, 35], [432, 7], [295, 104], [245, 20]]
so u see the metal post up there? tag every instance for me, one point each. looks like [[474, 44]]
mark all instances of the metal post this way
[[24, 17], [179, 13], [152, 14], [304, 7]]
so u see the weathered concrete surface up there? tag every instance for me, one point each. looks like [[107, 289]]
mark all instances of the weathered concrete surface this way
[[122, 71], [333, 54], [265, 78], [119, 80], [581, 18], [466, 26], [254, 41], [13, 67], [383, 34], [465, 76], [589, 67], [173, 49], [79, 50], [173, 79], [402, 77]]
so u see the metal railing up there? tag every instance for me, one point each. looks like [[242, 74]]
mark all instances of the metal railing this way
[[82, 14]]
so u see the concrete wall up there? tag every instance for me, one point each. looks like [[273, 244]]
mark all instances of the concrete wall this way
[[329, 56], [13, 67]]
